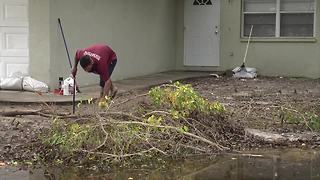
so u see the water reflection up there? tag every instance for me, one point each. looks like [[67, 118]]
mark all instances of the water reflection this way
[[275, 165], [289, 165]]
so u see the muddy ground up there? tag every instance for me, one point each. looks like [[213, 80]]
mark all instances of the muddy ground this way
[[257, 102], [254, 103]]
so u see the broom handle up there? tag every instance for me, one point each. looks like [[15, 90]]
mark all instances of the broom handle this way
[[245, 55], [65, 43], [74, 78]]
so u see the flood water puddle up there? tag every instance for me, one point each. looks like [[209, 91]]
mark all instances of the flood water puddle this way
[[273, 165]]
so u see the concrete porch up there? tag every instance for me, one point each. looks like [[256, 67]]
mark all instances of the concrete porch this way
[[93, 91]]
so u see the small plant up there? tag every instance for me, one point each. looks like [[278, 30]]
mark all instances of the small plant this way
[[290, 117], [309, 119], [314, 121], [183, 100]]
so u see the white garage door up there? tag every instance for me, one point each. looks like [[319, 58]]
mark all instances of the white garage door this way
[[14, 53]]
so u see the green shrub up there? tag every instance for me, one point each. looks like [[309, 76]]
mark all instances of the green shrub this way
[[183, 100], [71, 137]]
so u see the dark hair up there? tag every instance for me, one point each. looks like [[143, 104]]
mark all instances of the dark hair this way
[[85, 61]]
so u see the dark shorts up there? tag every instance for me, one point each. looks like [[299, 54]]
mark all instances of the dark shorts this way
[[110, 70]]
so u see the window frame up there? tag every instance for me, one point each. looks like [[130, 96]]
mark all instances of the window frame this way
[[278, 13]]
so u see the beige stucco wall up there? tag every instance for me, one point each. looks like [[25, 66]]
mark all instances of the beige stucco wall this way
[[148, 38], [275, 57], [142, 32], [39, 41]]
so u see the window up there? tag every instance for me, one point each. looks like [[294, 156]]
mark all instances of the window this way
[[279, 18], [202, 2]]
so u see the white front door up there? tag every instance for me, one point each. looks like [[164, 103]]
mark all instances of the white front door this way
[[14, 53], [201, 32]]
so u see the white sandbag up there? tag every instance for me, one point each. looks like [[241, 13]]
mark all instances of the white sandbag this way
[[245, 72], [67, 86], [12, 83], [30, 84], [248, 69]]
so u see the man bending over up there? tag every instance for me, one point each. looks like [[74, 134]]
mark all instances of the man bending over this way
[[98, 59]]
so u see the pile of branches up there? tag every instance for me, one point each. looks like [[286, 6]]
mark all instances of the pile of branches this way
[[173, 120]]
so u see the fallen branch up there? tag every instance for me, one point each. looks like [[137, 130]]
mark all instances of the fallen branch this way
[[157, 112], [221, 148], [38, 112], [19, 113], [194, 148], [104, 131], [121, 114], [127, 100], [140, 122], [120, 156]]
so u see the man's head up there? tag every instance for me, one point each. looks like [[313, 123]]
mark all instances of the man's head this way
[[87, 63]]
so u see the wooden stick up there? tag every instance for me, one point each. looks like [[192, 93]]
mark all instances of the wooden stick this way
[[19, 113]]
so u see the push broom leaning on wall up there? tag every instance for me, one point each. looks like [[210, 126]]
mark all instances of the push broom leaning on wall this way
[[74, 78], [243, 71]]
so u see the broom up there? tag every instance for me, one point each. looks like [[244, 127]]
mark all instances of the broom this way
[[243, 66], [74, 78]]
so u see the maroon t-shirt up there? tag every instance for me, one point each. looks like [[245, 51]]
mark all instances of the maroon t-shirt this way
[[102, 55]]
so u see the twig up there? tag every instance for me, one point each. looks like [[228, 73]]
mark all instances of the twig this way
[[130, 99], [19, 113], [36, 112], [162, 152], [159, 150], [194, 148], [120, 156], [40, 95], [121, 114], [103, 130], [252, 155], [192, 126], [303, 117], [250, 107], [81, 119], [45, 115], [157, 112]]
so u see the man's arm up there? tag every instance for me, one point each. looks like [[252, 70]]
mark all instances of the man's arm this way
[[106, 88], [74, 72], [75, 67]]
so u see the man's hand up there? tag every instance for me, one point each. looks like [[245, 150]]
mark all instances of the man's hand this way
[[73, 75], [104, 102]]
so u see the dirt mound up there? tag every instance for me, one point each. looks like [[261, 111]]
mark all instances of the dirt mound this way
[[221, 129]]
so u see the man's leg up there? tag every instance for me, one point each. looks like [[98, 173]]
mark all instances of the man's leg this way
[[111, 86], [102, 87], [113, 89], [106, 88]]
